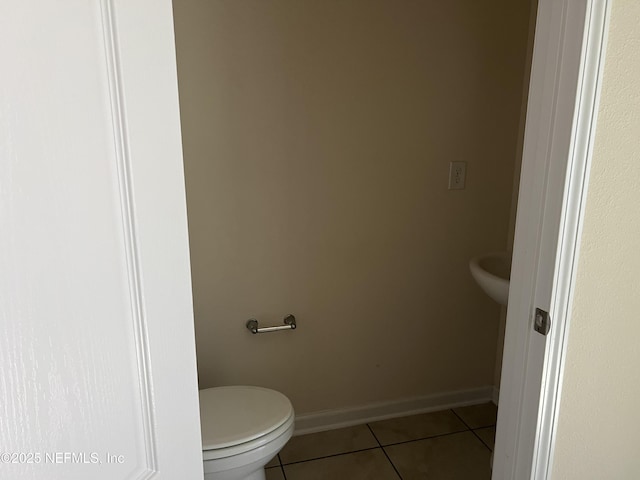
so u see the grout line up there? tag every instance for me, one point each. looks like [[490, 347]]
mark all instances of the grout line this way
[[373, 448], [384, 451], [423, 438], [284, 475], [468, 428], [329, 456], [472, 430], [479, 438], [460, 418]]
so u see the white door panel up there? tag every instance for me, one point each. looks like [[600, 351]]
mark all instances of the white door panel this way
[[96, 330]]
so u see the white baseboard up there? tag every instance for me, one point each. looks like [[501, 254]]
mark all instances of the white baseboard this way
[[495, 395], [346, 417]]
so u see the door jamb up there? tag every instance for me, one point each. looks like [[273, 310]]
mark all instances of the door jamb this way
[[551, 211]]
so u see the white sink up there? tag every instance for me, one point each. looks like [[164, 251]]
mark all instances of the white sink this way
[[492, 272]]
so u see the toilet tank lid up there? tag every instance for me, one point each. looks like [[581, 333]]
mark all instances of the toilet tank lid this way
[[233, 415]]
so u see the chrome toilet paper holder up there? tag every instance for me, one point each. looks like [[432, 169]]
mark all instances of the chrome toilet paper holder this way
[[289, 324]]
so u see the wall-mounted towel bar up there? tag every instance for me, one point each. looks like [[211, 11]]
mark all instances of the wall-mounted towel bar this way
[[289, 324]]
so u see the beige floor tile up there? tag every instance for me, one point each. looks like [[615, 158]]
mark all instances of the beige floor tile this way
[[416, 427], [366, 465], [460, 456], [274, 473], [274, 462], [322, 444], [488, 435], [477, 416]]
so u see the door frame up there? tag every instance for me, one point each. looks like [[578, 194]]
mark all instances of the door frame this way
[[568, 59]]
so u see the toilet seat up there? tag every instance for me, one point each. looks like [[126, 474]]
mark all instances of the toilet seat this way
[[252, 446], [238, 419]]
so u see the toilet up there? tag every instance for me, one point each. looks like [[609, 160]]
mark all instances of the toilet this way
[[243, 428]]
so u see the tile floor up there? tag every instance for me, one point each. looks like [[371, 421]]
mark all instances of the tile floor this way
[[451, 444]]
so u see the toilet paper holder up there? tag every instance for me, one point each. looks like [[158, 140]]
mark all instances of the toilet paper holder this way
[[289, 324]]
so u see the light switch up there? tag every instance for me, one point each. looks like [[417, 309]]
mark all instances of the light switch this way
[[457, 174]]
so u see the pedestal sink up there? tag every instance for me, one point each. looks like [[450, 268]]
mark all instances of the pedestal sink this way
[[492, 271]]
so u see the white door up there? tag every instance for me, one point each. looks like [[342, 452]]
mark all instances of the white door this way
[[97, 358], [559, 129]]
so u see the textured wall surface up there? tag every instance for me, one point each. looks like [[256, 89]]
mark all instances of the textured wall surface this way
[[599, 426], [317, 137]]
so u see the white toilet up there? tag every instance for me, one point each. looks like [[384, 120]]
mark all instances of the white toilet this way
[[243, 428]]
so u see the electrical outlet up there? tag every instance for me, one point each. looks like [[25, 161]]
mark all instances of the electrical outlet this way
[[457, 174]]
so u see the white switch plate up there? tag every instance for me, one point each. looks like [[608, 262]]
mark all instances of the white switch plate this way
[[457, 174]]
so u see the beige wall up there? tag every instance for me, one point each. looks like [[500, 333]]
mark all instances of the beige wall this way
[[599, 426], [317, 136]]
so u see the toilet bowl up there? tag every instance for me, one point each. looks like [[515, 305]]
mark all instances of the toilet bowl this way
[[243, 428]]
